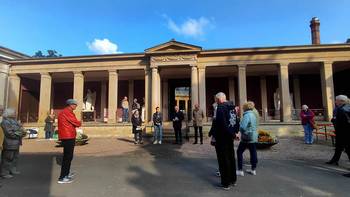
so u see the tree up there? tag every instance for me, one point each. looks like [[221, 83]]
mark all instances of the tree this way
[[50, 54]]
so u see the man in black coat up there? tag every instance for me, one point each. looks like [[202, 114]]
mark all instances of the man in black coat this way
[[177, 119], [342, 129], [224, 141]]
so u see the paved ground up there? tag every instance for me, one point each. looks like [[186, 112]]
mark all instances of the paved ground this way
[[115, 167]]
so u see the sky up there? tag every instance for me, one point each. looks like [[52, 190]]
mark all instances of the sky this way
[[89, 27]]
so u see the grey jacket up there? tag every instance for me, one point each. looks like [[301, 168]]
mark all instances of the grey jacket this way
[[198, 116], [13, 134]]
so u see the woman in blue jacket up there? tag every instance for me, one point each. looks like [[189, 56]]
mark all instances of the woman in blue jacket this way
[[249, 138]]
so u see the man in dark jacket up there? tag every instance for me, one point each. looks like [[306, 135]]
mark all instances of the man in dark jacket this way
[[224, 141], [342, 129], [67, 123], [177, 119]]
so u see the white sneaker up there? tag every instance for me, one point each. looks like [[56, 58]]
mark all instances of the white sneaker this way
[[160, 142], [64, 180], [252, 172], [155, 142], [71, 175], [239, 173]]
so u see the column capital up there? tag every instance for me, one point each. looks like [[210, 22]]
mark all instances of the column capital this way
[[78, 73], [13, 75], [241, 66], [113, 71], [328, 62], [283, 64], [45, 74], [193, 65], [154, 69]]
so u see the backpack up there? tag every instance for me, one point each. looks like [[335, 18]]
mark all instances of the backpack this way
[[233, 125]]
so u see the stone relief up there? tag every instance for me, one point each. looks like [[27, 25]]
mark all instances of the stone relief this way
[[171, 58]]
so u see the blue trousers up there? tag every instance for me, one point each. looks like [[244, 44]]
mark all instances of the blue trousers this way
[[308, 138], [125, 115], [253, 154], [158, 132]]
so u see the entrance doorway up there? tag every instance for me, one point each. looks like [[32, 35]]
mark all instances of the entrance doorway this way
[[180, 95]]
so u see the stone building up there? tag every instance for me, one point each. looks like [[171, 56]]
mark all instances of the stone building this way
[[278, 79]]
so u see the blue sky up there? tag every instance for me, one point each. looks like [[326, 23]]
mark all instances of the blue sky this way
[[86, 27]]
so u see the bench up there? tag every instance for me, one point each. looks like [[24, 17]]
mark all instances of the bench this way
[[327, 130]]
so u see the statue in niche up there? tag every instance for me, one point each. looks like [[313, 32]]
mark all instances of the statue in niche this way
[[89, 101], [277, 101]]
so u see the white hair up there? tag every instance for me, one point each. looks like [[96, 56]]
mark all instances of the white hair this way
[[221, 95], [343, 98], [304, 107], [9, 113]]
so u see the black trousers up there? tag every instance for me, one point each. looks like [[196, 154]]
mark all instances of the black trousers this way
[[178, 134], [196, 134], [339, 148], [68, 151], [138, 136], [227, 163]]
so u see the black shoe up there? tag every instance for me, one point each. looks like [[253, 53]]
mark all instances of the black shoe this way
[[233, 184], [195, 142], [332, 163], [201, 142], [347, 175], [225, 187]]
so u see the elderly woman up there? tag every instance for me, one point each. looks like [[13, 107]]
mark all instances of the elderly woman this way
[[49, 127], [307, 120], [249, 138], [13, 132], [136, 127]]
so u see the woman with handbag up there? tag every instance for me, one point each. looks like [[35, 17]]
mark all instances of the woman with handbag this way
[[136, 127], [308, 122], [249, 138]]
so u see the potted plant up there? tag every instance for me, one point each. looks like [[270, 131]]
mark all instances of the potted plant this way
[[266, 140]]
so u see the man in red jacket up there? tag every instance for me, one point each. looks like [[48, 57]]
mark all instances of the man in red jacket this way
[[67, 123]]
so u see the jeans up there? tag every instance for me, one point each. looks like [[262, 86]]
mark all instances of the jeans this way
[[158, 132], [48, 134], [138, 136], [68, 152], [253, 154], [196, 134], [308, 138], [125, 115], [9, 160]]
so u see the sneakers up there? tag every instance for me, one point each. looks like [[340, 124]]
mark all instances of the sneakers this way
[[8, 176], [155, 142], [252, 172], [160, 142], [71, 175], [239, 173], [65, 180], [217, 173], [15, 172], [226, 188]]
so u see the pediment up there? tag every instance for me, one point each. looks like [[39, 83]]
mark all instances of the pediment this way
[[173, 47]]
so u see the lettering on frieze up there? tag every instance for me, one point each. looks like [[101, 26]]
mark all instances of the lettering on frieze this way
[[172, 58]]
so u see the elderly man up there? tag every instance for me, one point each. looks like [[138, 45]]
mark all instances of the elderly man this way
[[13, 134], [67, 123], [224, 141], [341, 122], [197, 117], [177, 118]]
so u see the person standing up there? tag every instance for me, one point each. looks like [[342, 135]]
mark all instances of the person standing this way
[[177, 118], [307, 120], [136, 127], [125, 107], [198, 117], [249, 138], [67, 124], [342, 128], [224, 141], [13, 134], [49, 127], [158, 126], [135, 106]]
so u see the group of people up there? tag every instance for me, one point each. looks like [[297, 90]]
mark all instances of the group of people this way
[[225, 129], [136, 106]]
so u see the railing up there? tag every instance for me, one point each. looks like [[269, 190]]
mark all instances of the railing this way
[[28, 117]]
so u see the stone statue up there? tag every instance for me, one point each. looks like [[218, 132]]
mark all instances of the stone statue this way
[[277, 99], [89, 101]]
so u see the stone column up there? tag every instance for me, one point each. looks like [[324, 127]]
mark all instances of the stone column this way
[[78, 93], [155, 87], [131, 96], [296, 92], [231, 89], [263, 91], [148, 110], [45, 96], [285, 107], [242, 84], [202, 90], [165, 100], [4, 71], [112, 96], [327, 89], [14, 92], [194, 85], [159, 90], [103, 100]]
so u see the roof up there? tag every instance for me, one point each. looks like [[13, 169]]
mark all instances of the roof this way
[[12, 53]]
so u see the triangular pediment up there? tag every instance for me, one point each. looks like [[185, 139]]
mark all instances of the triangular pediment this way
[[173, 46]]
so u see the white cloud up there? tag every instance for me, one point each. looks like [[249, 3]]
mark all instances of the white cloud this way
[[103, 46], [191, 27]]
